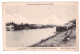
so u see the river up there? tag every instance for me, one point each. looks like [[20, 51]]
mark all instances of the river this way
[[25, 38]]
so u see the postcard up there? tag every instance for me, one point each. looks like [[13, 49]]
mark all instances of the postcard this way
[[40, 26]]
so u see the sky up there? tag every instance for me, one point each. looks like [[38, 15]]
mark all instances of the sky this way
[[40, 14]]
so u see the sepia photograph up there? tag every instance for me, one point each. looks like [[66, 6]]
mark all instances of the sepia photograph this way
[[40, 26]]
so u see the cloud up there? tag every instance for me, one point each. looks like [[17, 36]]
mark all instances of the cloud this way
[[17, 18], [53, 19]]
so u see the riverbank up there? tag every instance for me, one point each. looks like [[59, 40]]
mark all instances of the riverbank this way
[[60, 39]]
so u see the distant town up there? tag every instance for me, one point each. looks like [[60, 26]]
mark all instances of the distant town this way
[[11, 26]]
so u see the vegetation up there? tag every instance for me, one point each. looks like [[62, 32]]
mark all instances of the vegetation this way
[[28, 26]]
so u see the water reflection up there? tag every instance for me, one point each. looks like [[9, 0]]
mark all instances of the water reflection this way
[[27, 37]]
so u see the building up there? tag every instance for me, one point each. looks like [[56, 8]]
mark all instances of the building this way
[[10, 27]]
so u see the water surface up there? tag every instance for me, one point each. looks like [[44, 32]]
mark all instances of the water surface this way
[[27, 37]]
